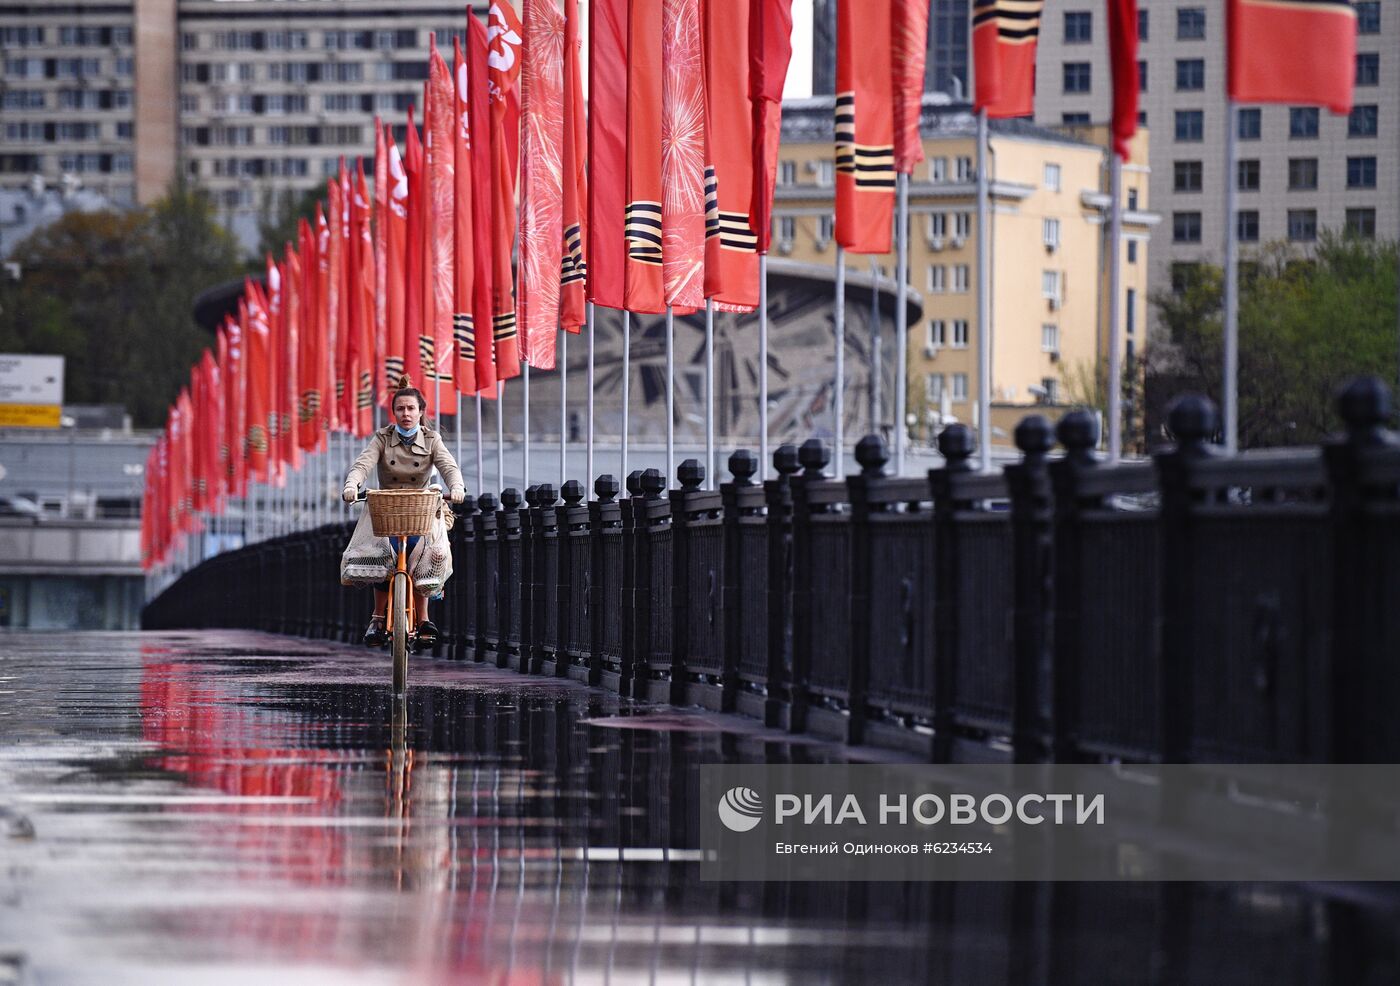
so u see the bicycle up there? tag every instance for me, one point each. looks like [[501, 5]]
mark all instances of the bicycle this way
[[401, 514]]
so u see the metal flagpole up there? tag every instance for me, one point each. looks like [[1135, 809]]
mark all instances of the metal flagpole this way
[[563, 405], [1232, 298], [901, 321], [877, 339], [710, 393], [500, 437], [626, 382], [984, 301], [670, 395], [1115, 274], [838, 396], [480, 452], [588, 476], [762, 365], [525, 453], [459, 429]]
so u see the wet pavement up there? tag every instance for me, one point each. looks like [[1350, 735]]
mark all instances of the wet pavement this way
[[230, 807]]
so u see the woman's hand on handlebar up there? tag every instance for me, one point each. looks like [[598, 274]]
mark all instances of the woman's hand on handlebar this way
[[349, 495], [457, 495]]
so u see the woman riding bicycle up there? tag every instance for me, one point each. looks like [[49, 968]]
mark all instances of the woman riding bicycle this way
[[404, 455]]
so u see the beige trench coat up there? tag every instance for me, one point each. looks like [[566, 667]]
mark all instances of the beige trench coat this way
[[405, 464]]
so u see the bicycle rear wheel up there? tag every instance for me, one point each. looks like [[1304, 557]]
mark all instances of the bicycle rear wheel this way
[[399, 602]]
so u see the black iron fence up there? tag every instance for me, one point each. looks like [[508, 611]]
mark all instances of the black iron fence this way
[[1197, 607]]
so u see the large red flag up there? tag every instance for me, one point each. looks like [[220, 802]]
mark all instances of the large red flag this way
[[483, 166], [463, 250], [324, 353], [1292, 51], [770, 51], [413, 314], [277, 374], [1004, 34], [541, 179], [381, 251], [427, 295], [362, 288], [336, 220], [292, 324], [504, 39], [442, 191], [310, 354], [644, 286], [909, 24], [607, 152], [221, 346], [573, 276], [682, 156], [864, 127], [731, 246], [1123, 61], [235, 396], [395, 267]]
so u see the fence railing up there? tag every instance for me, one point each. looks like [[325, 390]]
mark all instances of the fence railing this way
[[1199, 607]]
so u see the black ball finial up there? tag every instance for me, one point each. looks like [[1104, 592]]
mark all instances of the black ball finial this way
[[872, 455], [742, 466], [486, 503], [572, 492], [813, 456], [786, 461], [1034, 436], [1078, 432], [653, 483], [956, 443], [1193, 419], [607, 487], [691, 475], [545, 496], [510, 498], [634, 483], [531, 492], [1364, 404]]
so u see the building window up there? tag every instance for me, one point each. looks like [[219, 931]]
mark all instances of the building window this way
[[1361, 172], [937, 334], [1248, 125], [1190, 23], [787, 172], [1368, 17], [1247, 225], [126, 130], [1132, 251], [1362, 223], [1050, 232], [937, 226], [1190, 125], [1190, 74], [1363, 121], [1073, 119], [1051, 386], [1302, 174], [1049, 338], [1142, 25], [1132, 199], [786, 228], [1302, 225], [937, 278], [961, 278], [1187, 176], [1051, 178], [826, 172], [959, 333], [964, 170], [1186, 227], [959, 386], [1142, 76], [962, 225], [933, 387], [826, 228], [1079, 26], [1368, 69], [1130, 311], [1050, 285], [1302, 122], [938, 169], [1247, 175]]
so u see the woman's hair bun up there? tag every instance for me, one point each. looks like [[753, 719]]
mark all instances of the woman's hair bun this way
[[405, 383]]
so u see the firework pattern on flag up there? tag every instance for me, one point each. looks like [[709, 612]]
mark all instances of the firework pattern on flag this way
[[443, 191], [682, 156], [504, 37]]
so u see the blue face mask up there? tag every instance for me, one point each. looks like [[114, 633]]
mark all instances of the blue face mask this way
[[406, 434]]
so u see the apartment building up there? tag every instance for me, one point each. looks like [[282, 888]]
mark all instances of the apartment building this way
[[1300, 170], [1049, 300]]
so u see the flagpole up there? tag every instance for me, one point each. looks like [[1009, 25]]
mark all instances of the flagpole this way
[[480, 457], [984, 300], [459, 428], [500, 437], [763, 364], [710, 393], [901, 320], [588, 469], [838, 397], [563, 403], [670, 395], [1232, 300], [626, 381], [525, 454], [1115, 275]]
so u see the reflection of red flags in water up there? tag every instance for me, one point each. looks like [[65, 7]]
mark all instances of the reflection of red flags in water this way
[[381, 252], [1004, 34], [607, 151], [770, 51], [362, 284], [483, 166], [463, 252], [682, 156], [731, 257], [258, 342], [1292, 51], [437, 129], [864, 127], [573, 276], [909, 49], [541, 180], [1123, 60], [395, 234], [503, 35], [413, 269], [644, 288], [292, 323]]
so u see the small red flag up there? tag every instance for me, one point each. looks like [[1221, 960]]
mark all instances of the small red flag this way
[[483, 167], [1292, 51], [731, 245], [463, 251], [573, 276], [683, 156], [413, 313], [644, 289], [395, 233], [1004, 34], [504, 36], [770, 50], [437, 130], [607, 152], [864, 127], [909, 24], [362, 284], [541, 179], [381, 248], [1122, 53]]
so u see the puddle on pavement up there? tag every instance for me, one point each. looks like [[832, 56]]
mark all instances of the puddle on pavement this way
[[206, 807]]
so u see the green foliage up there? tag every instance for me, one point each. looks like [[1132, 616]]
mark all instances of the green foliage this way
[[113, 292], [277, 219], [1306, 325]]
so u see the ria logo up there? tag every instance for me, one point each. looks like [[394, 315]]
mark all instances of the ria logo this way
[[740, 809]]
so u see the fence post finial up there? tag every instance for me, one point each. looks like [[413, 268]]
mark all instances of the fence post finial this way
[[956, 444], [607, 487], [813, 456], [742, 466], [871, 455], [691, 475], [572, 492]]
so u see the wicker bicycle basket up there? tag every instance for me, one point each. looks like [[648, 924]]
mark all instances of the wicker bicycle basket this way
[[402, 513]]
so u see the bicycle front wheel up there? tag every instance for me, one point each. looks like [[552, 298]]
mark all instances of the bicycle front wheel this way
[[399, 602]]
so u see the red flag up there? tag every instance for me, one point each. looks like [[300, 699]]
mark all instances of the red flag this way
[[292, 323], [682, 156], [731, 246], [362, 289], [483, 165], [909, 24], [234, 402], [324, 352], [310, 354], [1122, 54], [864, 127], [395, 233], [770, 50], [644, 289], [221, 452], [381, 250], [541, 179], [335, 301], [1292, 51], [607, 152], [259, 357], [503, 35], [413, 314], [1004, 34], [463, 252], [437, 130], [573, 277]]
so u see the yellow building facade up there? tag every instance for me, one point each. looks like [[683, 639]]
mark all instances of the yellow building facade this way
[[1049, 268]]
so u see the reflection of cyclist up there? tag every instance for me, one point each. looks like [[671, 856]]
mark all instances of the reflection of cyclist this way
[[404, 454]]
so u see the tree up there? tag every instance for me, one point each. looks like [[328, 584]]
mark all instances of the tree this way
[[277, 218], [1306, 325]]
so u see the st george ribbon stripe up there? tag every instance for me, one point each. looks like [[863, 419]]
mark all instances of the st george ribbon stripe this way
[[1017, 20], [643, 226], [464, 331]]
